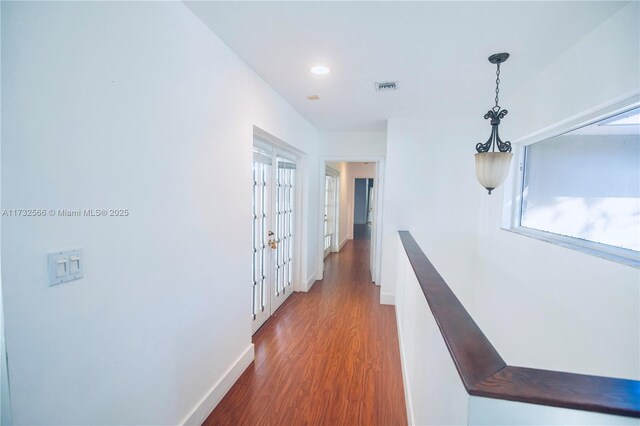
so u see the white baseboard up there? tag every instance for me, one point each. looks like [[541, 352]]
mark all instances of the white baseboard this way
[[311, 281], [202, 410], [405, 376], [387, 299], [343, 243]]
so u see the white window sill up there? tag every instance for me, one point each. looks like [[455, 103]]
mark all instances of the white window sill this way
[[614, 254]]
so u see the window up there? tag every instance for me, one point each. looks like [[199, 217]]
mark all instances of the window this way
[[581, 189]]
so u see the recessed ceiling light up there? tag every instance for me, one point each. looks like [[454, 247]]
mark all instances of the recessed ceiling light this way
[[320, 70], [313, 97]]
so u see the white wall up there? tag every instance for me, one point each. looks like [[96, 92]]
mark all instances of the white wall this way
[[343, 145], [430, 190], [579, 313], [495, 412], [129, 105], [576, 312]]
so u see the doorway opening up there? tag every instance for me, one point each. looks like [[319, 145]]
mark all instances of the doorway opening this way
[[351, 205], [363, 196]]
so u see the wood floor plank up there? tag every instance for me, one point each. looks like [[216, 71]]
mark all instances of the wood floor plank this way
[[326, 357]]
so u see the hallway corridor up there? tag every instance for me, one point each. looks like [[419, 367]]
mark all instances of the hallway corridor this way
[[326, 357]]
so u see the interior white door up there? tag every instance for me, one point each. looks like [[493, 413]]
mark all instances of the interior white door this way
[[282, 240], [261, 298], [330, 203], [273, 231]]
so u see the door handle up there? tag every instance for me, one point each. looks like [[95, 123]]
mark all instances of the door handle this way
[[273, 243]]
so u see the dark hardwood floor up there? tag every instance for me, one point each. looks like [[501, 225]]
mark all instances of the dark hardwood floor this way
[[327, 357], [361, 232]]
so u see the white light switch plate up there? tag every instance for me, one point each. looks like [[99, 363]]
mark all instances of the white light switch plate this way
[[65, 266]]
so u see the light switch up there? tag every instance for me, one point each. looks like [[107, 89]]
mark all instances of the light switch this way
[[65, 266], [61, 267], [74, 264]]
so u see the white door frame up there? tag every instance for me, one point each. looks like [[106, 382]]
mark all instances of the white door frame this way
[[376, 233]]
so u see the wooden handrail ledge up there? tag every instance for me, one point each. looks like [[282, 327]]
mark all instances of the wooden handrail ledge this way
[[484, 372]]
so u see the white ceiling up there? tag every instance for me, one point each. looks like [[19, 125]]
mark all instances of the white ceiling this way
[[436, 50]]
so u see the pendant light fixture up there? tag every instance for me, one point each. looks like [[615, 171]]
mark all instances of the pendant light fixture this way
[[492, 167]]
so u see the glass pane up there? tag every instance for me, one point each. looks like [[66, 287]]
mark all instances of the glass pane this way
[[329, 210], [261, 169], [586, 184], [284, 223]]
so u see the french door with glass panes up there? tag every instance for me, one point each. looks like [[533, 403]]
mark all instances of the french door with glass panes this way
[[330, 203], [274, 176]]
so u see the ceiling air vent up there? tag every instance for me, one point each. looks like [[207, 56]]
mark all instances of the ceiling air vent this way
[[385, 86]]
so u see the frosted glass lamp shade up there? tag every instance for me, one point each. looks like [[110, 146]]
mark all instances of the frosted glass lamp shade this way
[[492, 168]]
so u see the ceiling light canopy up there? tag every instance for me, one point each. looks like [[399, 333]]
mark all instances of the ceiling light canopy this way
[[492, 167], [320, 70]]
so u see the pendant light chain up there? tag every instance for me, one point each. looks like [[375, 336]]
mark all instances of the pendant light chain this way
[[497, 107], [496, 114]]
